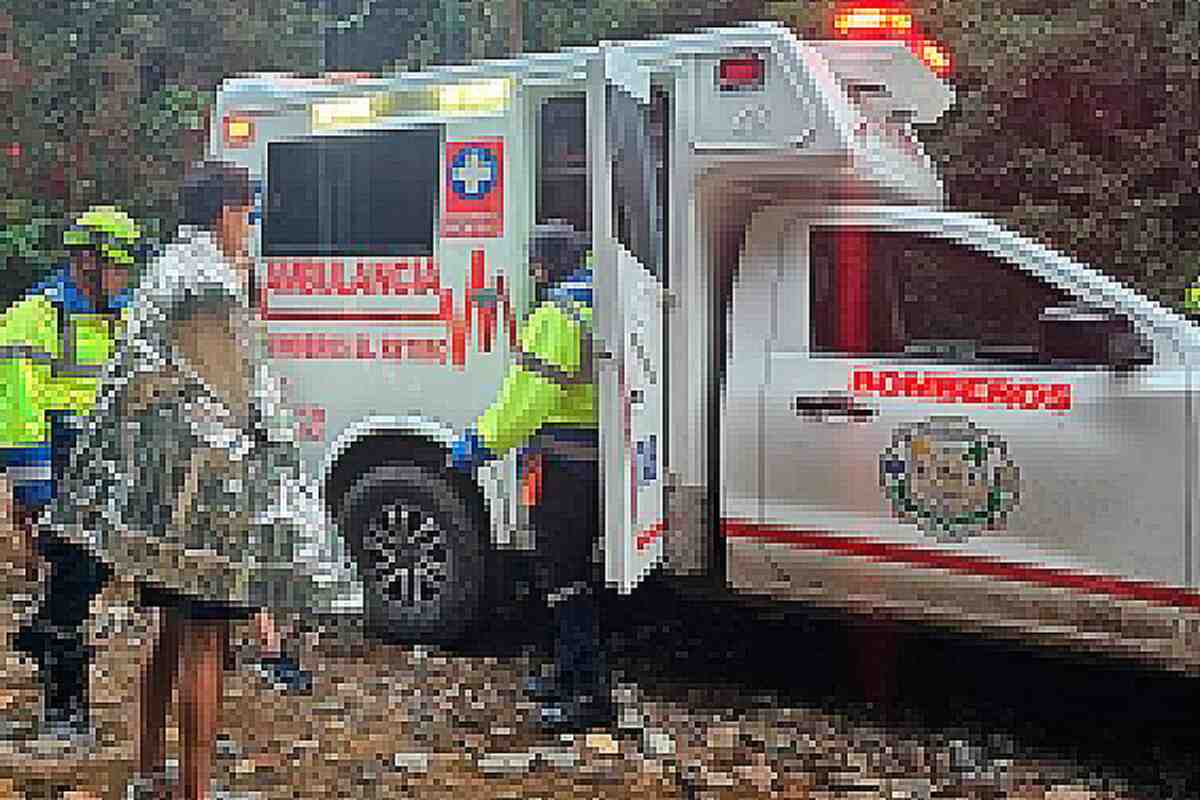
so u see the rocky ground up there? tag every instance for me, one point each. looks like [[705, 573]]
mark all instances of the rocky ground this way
[[390, 721]]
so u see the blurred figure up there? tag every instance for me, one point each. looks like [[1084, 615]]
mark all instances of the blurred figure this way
[[189, 455]]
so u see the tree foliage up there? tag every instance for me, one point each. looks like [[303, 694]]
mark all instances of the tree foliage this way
[[1075, 119], [109, 101]]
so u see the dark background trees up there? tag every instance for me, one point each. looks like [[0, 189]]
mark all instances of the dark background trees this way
[[1075, 119]]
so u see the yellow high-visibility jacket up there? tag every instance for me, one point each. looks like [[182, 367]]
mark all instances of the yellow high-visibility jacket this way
[[551, 382], [51, 355]]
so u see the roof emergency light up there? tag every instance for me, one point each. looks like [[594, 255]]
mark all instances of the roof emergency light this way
[[239, 130], [873, 23], [890, 21], [488, 96], [934, 56], [740, 74], [343, 112]]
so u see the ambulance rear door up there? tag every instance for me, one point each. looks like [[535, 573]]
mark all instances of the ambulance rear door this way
[[623, 111]]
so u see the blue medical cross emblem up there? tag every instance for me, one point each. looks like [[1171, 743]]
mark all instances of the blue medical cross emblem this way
[[473, 172]]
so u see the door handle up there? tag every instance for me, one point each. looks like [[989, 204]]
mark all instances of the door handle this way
[[823, 407]]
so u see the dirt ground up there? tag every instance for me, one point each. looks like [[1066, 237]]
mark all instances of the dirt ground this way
[[387, 721]]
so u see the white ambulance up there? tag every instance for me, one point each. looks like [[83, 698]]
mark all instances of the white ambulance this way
[[816, 381]]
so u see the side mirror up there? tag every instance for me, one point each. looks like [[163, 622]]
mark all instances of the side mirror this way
[[1079, 335]]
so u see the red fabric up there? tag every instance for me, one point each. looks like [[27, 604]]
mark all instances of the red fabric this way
[[531, 485]]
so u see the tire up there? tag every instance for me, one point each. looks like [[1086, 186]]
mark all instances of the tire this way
[[420, 551]]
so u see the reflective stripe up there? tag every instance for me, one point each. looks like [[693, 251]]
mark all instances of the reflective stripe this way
[[29, 474], [24, 352], [573, 310], [60, 367], [543, 368], [25, 456], [66, 370], [575, 451]]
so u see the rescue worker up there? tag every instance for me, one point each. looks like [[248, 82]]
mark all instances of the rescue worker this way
[[548, 402], [53, 345]]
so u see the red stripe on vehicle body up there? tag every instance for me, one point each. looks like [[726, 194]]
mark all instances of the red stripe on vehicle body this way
[[874, 550], [352, 316], [649, 535]]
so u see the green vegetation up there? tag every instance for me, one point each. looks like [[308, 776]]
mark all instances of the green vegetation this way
[[1075, 119]]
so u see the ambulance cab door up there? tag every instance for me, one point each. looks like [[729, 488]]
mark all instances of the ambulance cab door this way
[[939, 394], [628, 214]]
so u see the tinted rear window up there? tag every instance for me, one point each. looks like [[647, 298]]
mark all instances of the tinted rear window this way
[[368, 194]]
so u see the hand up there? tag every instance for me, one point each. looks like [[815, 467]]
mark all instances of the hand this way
[[469, 453]]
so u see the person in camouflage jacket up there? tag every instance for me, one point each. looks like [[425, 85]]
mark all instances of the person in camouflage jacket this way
[[187, 478]]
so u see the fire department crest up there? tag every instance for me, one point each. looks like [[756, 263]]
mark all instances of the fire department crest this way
[[949, 477]]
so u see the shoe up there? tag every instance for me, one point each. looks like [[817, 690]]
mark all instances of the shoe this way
[[142, 787], [581, 714], [61, 737], [285, 675], [73, 730], [541, 689]]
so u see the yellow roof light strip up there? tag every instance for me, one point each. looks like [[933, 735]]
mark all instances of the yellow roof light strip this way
[[467, 98], [475, 97], [344, 112]]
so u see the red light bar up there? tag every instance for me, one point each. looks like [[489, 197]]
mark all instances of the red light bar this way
[[890, 21], [874, 22], [741, 73]]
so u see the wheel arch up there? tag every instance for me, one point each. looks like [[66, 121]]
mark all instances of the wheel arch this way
[[377, 441]]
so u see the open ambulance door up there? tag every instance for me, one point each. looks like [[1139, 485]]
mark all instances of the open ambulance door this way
[[629, 313]]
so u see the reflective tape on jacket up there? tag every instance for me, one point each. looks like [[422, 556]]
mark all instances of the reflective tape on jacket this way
[[43, 369], [17, 475]]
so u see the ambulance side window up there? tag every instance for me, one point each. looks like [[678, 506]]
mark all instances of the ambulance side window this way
[[912, 296], [564, 184], [636, 143]]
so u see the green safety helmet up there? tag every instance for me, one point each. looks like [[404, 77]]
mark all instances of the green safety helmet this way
[[108, 229], [1191, 298]]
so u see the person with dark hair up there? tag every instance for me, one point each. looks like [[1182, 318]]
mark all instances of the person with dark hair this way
[[188, 480], [556, 252], [212, 198]]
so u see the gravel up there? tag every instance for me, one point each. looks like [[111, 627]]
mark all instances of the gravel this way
[[395, 722]]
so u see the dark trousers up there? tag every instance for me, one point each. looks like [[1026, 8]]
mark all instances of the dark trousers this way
[[74, 576], [56, 637], [567, 519]]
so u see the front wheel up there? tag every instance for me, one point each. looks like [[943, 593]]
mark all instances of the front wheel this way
[[420, 552]]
